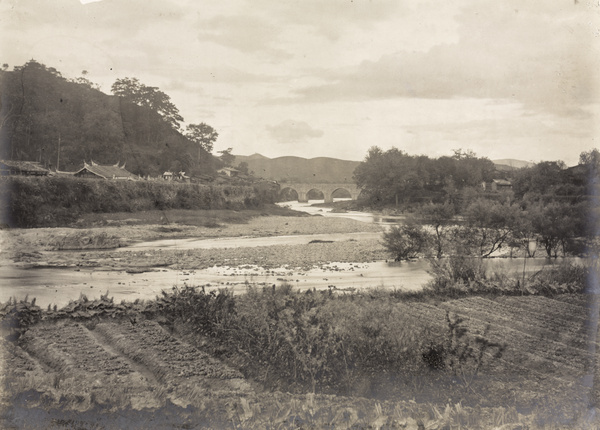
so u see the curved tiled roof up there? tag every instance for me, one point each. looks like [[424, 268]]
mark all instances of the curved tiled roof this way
[[107, 172]]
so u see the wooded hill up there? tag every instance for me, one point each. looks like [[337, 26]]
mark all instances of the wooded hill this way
[[42, 111]]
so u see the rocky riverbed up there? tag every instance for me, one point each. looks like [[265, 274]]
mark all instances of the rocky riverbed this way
[[96, 247]]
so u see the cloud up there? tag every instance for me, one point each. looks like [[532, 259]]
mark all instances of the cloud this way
[[543, 60], [244, 33], [290, 131], [109, 15], [332, 18]]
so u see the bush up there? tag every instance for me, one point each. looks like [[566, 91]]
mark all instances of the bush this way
[[456, 271], [406, 241]]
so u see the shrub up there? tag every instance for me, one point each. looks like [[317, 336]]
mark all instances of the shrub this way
[[456, 271], [460, 353]]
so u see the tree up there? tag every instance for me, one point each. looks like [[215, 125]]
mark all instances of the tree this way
[[590, 158], [243, 168], [539, 180], [471, 171], [388, 176], [489, 226], [227, 157], [203, 135], [440, 217], [406, 241], [555, 223], [152, 98]]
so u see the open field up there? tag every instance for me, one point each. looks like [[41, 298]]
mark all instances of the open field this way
[[97, 363]]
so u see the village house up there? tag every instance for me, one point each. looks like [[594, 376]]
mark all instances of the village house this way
[[26, 168], [228, 171], [97, 171], [181, 177], [497, 185]]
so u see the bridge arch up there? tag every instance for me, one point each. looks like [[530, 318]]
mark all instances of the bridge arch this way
[[303, 190], [287, 194], [315, 194], [341, 193]]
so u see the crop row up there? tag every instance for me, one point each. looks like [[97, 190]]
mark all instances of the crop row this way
[[71, 346], [574, 299], [533, 352], [187, 372], [568, 357], [560, 310], [535, 324], [83, 371]]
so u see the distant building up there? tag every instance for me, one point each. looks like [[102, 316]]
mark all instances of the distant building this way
[[97, 171], [228, 171], [181, 176], [497, 185], [167, 176], [26, 168]]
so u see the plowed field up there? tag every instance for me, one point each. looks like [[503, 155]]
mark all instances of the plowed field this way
[[86, 369]]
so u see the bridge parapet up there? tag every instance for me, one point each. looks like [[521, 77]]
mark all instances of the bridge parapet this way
[[327, 189]]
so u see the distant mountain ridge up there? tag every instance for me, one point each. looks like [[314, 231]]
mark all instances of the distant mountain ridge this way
[[298, 169], [324, 169], [511, 164]]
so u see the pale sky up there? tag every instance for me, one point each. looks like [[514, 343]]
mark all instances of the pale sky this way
[[506, 79]]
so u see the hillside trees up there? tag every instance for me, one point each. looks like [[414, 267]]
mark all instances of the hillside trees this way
[[202, 135], [42, 111], [133, 90]]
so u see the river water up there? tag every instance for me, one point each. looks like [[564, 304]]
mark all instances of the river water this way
[[60, 285]]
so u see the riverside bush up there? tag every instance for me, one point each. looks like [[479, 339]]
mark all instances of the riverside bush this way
[[57, 201], [406, 241], [461, 275]]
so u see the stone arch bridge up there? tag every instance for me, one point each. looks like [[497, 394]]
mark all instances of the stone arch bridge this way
[[327, 189]]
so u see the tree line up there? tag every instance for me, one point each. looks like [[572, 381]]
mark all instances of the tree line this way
[[451, 214], [61, 122]]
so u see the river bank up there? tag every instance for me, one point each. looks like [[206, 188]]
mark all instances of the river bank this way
[[97, 244]]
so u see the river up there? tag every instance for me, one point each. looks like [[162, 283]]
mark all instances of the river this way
[[57, 286]]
